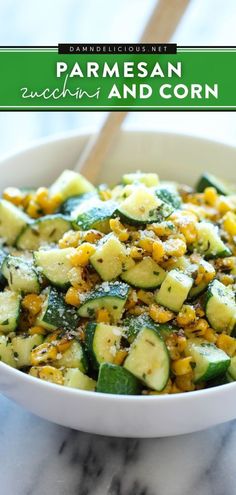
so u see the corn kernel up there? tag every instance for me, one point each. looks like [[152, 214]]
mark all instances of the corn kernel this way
[[185, 382], [175, 389], [43, 353], [210, 196], [72, 297], [229, 223], [63, 344], [118, 228], [146, 297], [210, 335], [162, 229], [182, 366], [132, 300], [37, 330], [226, 343], [14, 195], [48, 373], [225, 204], [105, 195], [120, 357], [160, 314], [92, 236], [33, 209], [136, 253], [175, 247], [186, 315], [158, 251], [33, 303], [176, 344], [70, 239], [226, 278], [146, 244], [102, 316], [82, 254]]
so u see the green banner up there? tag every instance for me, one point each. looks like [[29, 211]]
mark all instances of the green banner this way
[[191, 79]]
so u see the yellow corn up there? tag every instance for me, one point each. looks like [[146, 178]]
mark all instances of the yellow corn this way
[[14, 195], [146, 244], [210, 196], [41, 196], [118, 228], [33, 209], [186, 315], [102, 316], [175, 389], [136, 253], [146, 297], [175, 247], [158, 251], [63, 344], [226, 278], [210, 335], [120, 356], [229, 223], [132, 300], [82, 254], [224, 205], [72, 297], [70, 239], [48, 373], [105, 195], [137, 310], [185, 382], [176, 344], [37, 330], [33, 303], [43, 353], [182, 366], [227, 344], [162, 229], [92, 236], [160, 314], [198, 328]]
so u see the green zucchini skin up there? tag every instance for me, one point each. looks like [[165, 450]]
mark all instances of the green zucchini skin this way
[[3, 281], [109, 295], [21, 275], [170, 197], [209, 180], [113, 379], [97, 216], [71, 204], [100, 339], [47, 229], [56, 313]]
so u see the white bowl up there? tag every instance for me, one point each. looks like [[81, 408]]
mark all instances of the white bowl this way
[[173, 157]]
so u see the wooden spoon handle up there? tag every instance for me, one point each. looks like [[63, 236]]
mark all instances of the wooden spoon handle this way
[[160, 26]]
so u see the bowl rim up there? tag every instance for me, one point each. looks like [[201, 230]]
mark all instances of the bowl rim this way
[[18, 374]]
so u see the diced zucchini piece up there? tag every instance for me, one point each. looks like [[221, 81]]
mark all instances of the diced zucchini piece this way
[[6, 351], [210, 361], [149, 180], [71, 204], [220, 307], [55, 265], [148, 359], [170, 196], [145, 274], [56, 313], [197, 290], [21, 275], [73, 357], [113, 379], [111, 296], [94, 215], [9, 311], [74, 378], [231, 369], [174, 290], [22, 346], [12, 221], [102, 342], [70, 183], [3, 281], [209, 242], [142, 206], [133, 325], [208, 180], [43, 231], [110, 258]]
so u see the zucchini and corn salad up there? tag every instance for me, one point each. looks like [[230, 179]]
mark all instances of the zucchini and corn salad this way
[[123, 290]]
